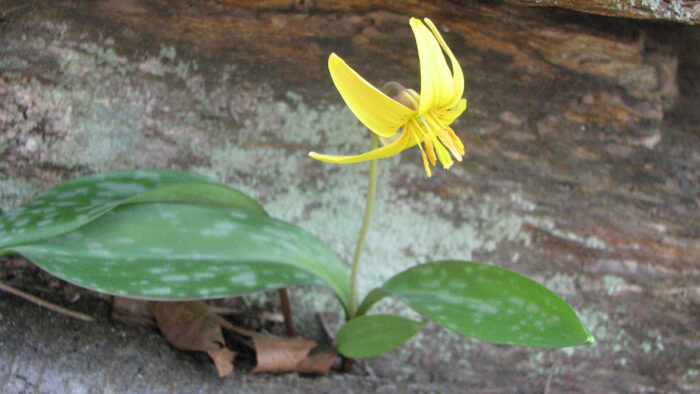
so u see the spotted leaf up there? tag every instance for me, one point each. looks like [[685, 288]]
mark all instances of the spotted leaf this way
[[76, 202], [167, 235], [486, 302], [180, 251]]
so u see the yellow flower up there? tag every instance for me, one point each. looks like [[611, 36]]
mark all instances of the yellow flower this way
[[409, 119]]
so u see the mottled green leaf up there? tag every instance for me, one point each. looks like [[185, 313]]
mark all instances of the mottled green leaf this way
[[486, 302], [76, 202], [179, 251], [370, 336]]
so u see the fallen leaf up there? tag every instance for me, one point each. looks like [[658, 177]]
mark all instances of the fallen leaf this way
[[132, 311], [192, 326], [279, 354], [318, 363], [275, 354]]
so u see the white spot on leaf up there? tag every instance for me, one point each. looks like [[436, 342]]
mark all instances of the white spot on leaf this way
[[247, 278]]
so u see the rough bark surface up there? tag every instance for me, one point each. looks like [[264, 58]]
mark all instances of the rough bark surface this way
[[685, 11], [582, 167]]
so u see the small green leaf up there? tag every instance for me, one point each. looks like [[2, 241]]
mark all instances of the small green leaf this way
[[74, 203], [372, 298], [370, 336], [486, 302], [178, 251]]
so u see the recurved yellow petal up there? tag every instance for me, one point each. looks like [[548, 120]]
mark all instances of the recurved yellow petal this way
[[436, 84], [374, 109], [404, 142], [457, 74]]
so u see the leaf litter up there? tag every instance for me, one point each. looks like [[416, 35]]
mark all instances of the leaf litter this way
[[192, 326]]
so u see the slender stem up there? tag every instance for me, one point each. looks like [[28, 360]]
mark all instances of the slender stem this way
[[371, 191], [286, 312]]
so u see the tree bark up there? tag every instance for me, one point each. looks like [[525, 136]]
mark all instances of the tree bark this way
[[581, 169]]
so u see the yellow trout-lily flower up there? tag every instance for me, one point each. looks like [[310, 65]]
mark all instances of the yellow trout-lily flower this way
[[423, 118]]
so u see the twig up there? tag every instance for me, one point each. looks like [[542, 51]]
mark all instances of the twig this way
[[272, 317], [286, 312], [45, 304], [369, 371], [327, 329], [547, 386], [224, 310]]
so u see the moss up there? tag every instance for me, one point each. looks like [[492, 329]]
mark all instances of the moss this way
[[607, 334], [595, 243], [562, 284], [691, 374], [168, 52], [14, 192], [612, 283]]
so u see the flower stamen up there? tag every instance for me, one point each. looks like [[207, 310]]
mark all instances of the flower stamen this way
[[428, 142], [456, 140], [444, 136], [425, 163], [422, 152]]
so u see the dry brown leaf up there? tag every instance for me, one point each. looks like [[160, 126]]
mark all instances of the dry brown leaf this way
[[318, 363], [131, 311], [280, 354], [192, 326], [275, 354]]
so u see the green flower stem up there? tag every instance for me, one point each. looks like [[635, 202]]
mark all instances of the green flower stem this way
[[371, 191]]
